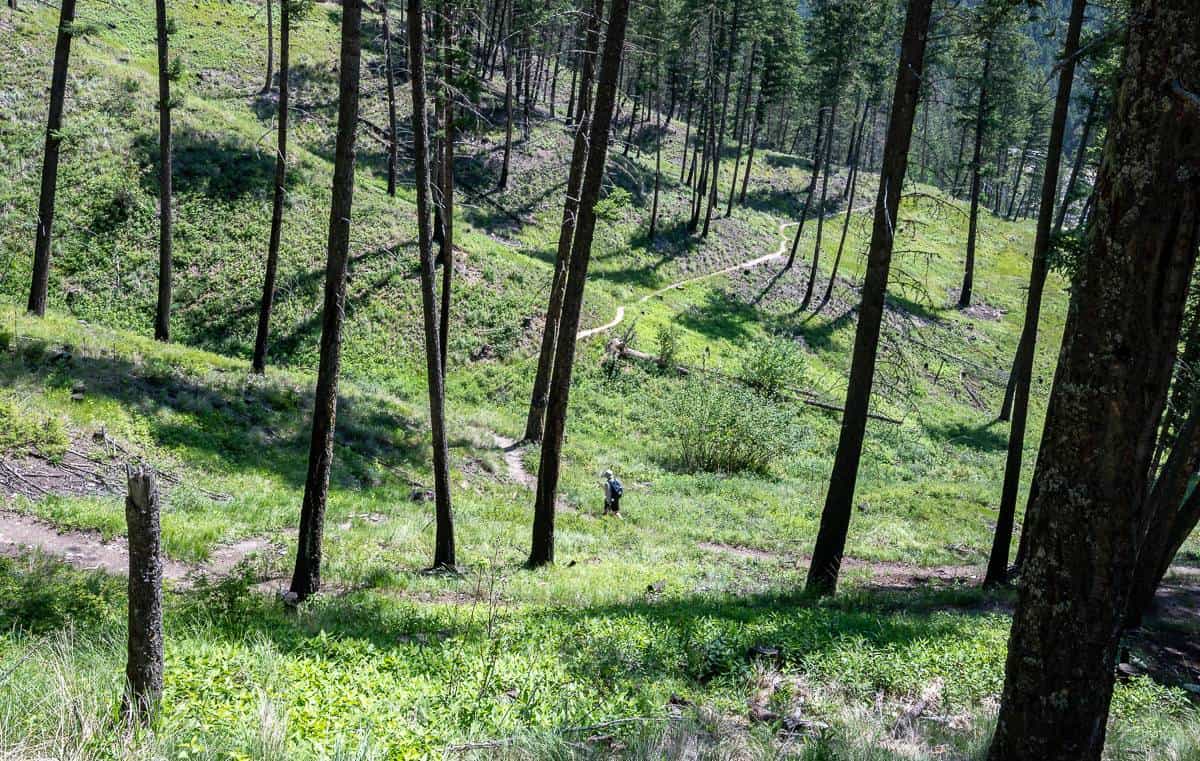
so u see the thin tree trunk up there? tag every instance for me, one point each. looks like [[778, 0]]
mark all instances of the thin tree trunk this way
[[856, 154], [835, 518], [719, 143], [389, 68], [964, 294], [162, 312], [506, 25], [1012, 200], [1080, 154], [740, 126], [812, 187], [542, 549], [828, 162], [266, 88], [758, 122], [1109, 392], [259, 363], [1022, 371], [306, 578], [566, 233], [447, 181], [58, 90], [443, 554]]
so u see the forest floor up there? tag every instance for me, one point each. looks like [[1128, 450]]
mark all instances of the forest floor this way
[[676, 632]]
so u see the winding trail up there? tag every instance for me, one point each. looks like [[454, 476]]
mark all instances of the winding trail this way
[[619, 317]]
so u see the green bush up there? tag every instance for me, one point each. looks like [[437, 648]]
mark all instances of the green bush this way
[[719, 428], [611, 207], [22, 432], [773, 365], [668, 337]]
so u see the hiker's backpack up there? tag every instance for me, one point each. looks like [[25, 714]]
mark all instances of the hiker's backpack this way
[[615, 488]]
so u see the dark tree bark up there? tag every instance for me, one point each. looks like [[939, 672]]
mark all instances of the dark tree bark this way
[[1080, 154], [144, 654], [1025, 149], [740, 126], [835, 518], [758, 122], [506, 26], [812, 186], [390, 72], [259, 363], [828, 160], [542, 549], [566, 232], [719, 141], [162, 312], [1113, 375], [443, 555], [1022, 371], [306, 578], [266, 88], [1171, 516], [447, 181], [964, 294], [856, 155], [58, 91]]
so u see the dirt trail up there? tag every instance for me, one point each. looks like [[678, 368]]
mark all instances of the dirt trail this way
[[87, 550], [778, 253], [513, 464]]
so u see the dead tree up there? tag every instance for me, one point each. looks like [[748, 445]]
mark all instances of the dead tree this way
[[144, 654]]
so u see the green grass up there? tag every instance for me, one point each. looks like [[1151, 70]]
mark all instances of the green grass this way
[[394, 663]]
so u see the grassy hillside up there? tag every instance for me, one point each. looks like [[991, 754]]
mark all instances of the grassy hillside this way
[[656, 616]]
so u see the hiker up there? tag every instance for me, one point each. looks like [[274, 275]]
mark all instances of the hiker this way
[[612, 494]]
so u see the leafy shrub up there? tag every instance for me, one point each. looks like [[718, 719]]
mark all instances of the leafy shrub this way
[[610, 207], [721, 429], [22, 432], [772, 365], [668, 337]]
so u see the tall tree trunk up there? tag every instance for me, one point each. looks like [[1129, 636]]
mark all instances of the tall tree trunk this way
[[1016, 184], [964, 294], [162, 312], [719, 143], [856, 155], [447, 178], [502, 183], [758, 122], [266, 88], [1109, 391], [828, 165], [259, 363], [306, 578], [835, 518], [740, 126], [1171, 516], [566, 231], [660, 135], [1080, 154], [443, 554], [812, 185], [1022, 370], [45, 226], [390, 71], [542, 549]]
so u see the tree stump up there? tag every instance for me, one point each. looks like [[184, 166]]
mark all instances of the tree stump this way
[[144, 662]]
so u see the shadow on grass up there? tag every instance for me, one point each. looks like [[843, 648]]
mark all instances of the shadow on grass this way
[[222, 422], [985, 437]]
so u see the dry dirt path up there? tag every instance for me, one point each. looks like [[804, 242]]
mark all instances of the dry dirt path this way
[[88, 550]]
